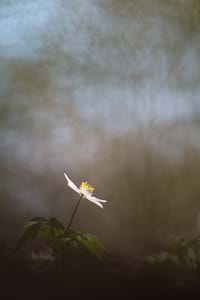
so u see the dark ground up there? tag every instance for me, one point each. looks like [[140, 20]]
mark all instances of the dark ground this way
[[119, 280]]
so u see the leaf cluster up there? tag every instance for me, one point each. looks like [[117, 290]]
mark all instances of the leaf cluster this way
[[179, 251], [69, 249]]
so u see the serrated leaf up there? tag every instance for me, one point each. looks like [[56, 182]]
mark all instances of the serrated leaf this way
[[41, 228], [29, 235], [30, 224], [56, 224], [78, 247], [91, 244]]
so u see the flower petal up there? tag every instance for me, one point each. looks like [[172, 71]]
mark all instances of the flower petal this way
[[71, 184], [99, 200], [93, 199]]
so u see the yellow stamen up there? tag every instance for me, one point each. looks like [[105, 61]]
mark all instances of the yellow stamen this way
[[86, 186]]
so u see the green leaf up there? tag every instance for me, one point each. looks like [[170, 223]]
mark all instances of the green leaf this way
[[77, 247], [92, 245], [35, 221], [42, 228], [29, 235]]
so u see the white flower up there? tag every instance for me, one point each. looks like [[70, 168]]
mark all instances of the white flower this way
[[85, 190]]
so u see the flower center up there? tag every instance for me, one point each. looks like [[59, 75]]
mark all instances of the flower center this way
[[85, 186]]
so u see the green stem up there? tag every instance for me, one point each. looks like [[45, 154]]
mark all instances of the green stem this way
[[73, 214]]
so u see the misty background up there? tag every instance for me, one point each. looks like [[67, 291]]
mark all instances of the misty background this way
[[108, 92]]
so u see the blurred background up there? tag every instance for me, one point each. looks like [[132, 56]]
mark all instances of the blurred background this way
[[108, 92]]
